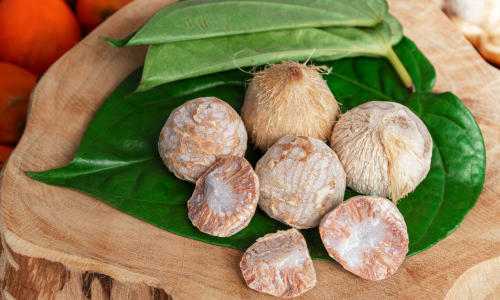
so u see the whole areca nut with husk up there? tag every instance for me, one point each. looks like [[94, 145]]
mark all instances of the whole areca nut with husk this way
[[367, 235], [384, 147], [225, 197], [279, 264], [479, 20], [288, 99], [301, 179], [197, 134]]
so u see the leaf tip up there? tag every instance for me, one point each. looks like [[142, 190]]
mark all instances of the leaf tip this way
[[143, 86], [114, 43], [38, 176], [34, 175]]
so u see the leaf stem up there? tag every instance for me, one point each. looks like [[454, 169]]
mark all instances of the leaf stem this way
[[400, 69]]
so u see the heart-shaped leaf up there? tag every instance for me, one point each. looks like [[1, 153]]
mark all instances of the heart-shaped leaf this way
[[199, 19], [118, 160], [460, 156], [174, 61], [362, 79]]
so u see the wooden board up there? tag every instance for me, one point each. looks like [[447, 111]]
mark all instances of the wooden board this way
[[63, 244]]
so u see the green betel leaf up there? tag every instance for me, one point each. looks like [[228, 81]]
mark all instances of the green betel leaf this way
[[118, 159], [460, 154], [360, 80], [174, 61], [420, 68], [199, 19]]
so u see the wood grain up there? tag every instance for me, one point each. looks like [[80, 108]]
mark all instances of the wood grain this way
[[69, 230], [37, 278]]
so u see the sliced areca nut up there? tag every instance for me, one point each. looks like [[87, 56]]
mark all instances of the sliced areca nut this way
[[225, 197], [367, 235], [279, 264]]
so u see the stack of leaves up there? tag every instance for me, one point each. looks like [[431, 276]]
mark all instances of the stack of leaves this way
[[118, 159], [199, 37]]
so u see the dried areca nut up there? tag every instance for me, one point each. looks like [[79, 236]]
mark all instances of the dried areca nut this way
[[197, 133], [225, 197], [367, 235], [474, 17], [288, 99], [483, 13], [384, 147], [279, 264], [301, 179], [479, 21]]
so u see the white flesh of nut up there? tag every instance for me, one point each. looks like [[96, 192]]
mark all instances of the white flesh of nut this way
[[225, 197], [366, 235], [279, 264]]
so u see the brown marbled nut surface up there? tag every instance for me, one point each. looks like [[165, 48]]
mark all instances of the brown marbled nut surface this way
[[225, 197], [197, 133], [301, 179], [279, 264], [384, 147], [367, 235]]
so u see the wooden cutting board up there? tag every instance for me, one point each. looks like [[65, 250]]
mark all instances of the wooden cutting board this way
[[63, 244]]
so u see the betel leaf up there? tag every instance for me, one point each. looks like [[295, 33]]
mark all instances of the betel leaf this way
[[199, 19], [118, 160], [359, 80], [420, 68], [459, 150], [174, 61]]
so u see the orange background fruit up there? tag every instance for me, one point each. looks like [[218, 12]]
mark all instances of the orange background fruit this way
[[16, 85], [91, 13], [5, 151], [35, 33]]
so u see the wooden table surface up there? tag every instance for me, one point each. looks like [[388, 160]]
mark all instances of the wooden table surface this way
[[63, 244]]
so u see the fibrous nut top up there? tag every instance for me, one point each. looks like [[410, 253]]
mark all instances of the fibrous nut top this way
[[197, 133], [279, 264], [384, 147], [301, 179], [367, 235], [288, 99], [225, 197]]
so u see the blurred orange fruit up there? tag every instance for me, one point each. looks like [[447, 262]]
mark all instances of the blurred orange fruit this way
[[5, 151], [16, 85], [34, 33], [91, 13]]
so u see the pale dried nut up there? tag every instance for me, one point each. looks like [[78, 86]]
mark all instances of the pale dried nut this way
[[279, 264], [439, 3], [489, 47], [288, 99], [225, 197], [301, 179], [384, 147], [199, 132], [482, 13], [367, 235], [479, 20]]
